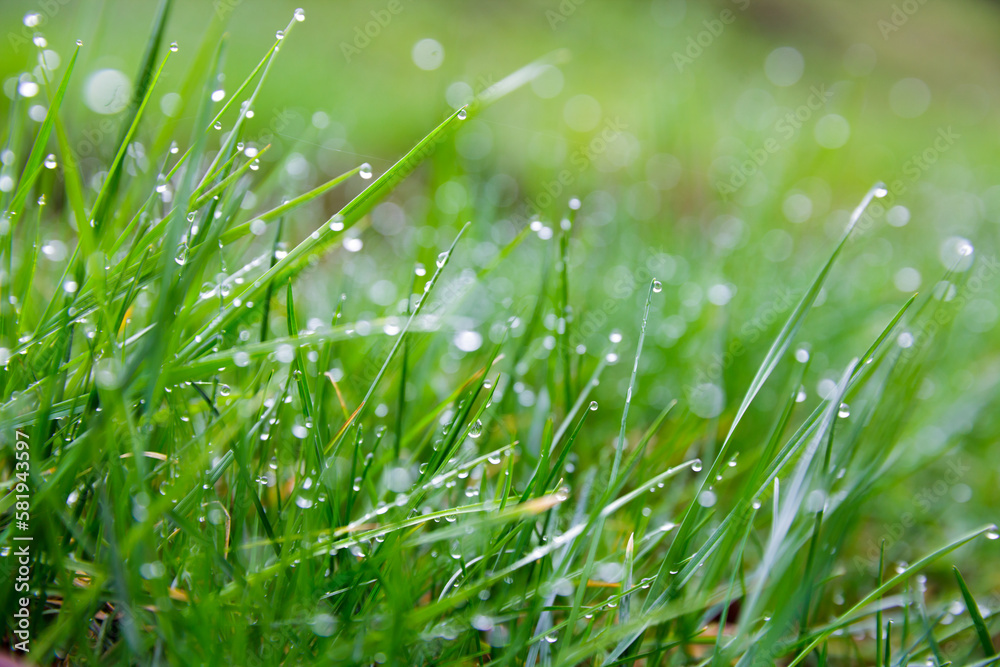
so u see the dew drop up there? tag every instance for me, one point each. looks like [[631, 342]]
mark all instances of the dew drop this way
[[173, 47], [881, 190], [365, 171], [441, 259], [280, 34], [476, 429], [462, 114], [300, 15], [992, 533], [696, 465], [845, 411], [657, 286], [593, 406], [50, 161]]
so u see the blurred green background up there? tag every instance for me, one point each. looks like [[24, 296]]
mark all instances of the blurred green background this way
[[656, 115]]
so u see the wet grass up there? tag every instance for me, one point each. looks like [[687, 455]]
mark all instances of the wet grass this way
[[217, 475]]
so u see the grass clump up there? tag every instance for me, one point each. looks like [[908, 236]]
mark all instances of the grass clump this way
[[216, 477]]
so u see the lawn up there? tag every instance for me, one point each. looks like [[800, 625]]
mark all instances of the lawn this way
[[638, 333]]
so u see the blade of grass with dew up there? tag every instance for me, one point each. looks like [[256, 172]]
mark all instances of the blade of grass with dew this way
[[907, 572], [598, 525], [770, 362]]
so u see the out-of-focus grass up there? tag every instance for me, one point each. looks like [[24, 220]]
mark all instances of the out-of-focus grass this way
[[245, 435]]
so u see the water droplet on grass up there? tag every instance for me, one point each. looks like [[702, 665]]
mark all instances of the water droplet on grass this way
[[462, 114], [657, 286], [593, 406], [476, 429], [365, 171]]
